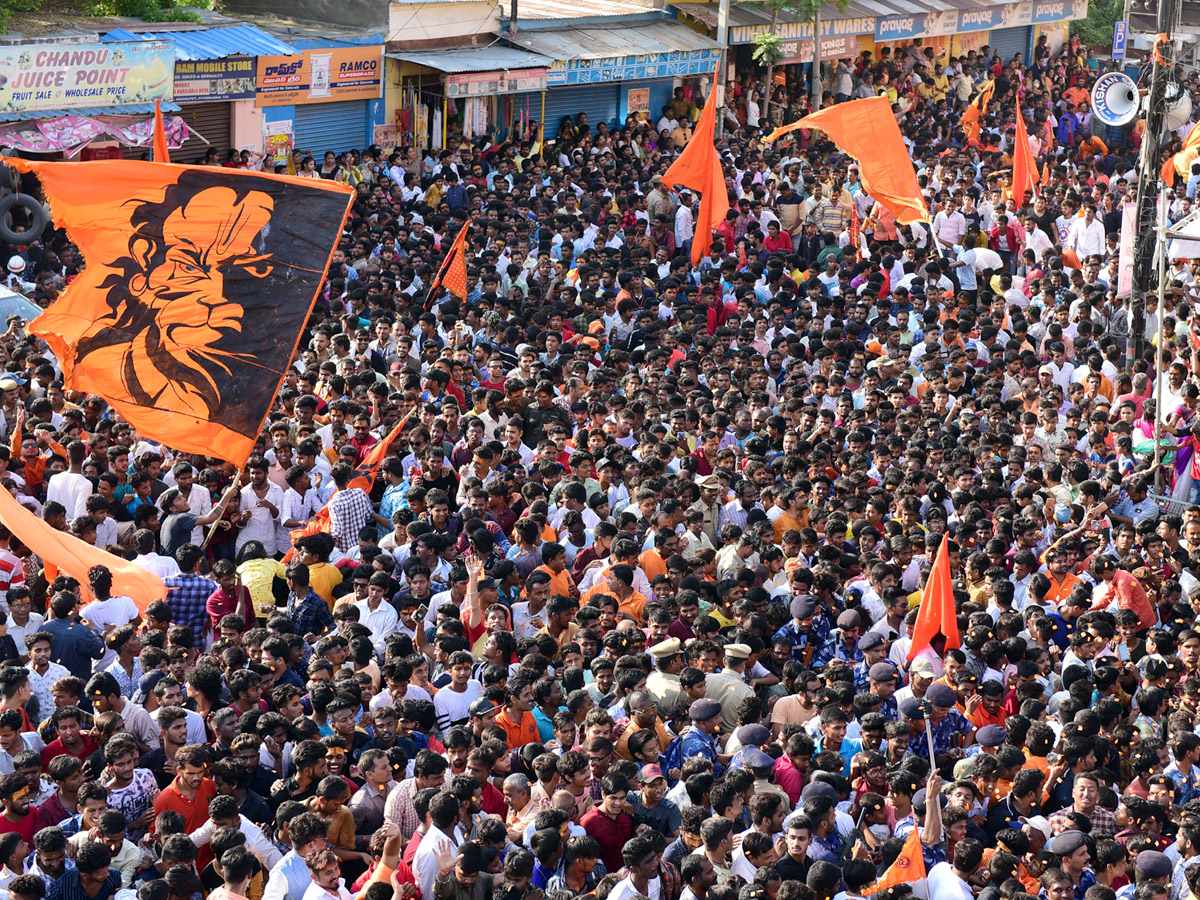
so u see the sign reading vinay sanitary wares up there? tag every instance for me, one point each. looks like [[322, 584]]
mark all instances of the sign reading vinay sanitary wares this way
[[319, 76], [72, 76]]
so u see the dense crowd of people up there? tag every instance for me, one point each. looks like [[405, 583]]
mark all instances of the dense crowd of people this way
[[626, 611]]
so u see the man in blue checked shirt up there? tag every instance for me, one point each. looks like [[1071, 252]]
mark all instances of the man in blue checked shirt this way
[[1185, 772], [189, 592], [305, 607]]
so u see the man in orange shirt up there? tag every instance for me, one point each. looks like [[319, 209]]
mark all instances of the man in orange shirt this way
[[1061, 580], [554, 564], [189, 793], [619, 583], [987, 706], [517, 717]]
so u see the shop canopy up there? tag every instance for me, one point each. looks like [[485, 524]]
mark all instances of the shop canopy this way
[[68, 132], [211, 43], [592, 42], [475, 59]]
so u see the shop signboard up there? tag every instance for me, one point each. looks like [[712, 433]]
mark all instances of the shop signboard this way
[[319, 76], [228, 78], [484, 84], [35, 77]]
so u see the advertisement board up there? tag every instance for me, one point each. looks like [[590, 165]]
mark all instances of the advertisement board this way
[[229, 78], [37, 77], [319, 76]]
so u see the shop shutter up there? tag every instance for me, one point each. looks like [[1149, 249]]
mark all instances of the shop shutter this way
[[331, 126], [599, 101], [1008, 42], [213, 120]]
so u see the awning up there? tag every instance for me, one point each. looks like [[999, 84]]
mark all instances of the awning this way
[[133, 109], [71, 132], [615, 41], [475, 59], [211, 43]]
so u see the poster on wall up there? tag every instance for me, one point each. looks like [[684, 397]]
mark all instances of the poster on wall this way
[[279, 142], [319, 76], [386, 136], [70, 76], [639, 100]]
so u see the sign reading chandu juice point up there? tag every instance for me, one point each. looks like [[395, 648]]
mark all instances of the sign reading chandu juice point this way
[[36, 77]]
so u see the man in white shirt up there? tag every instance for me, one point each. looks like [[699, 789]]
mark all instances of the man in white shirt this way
[[443, 834], [71, 488], [685, 226], [1086, 236], [949, 225]]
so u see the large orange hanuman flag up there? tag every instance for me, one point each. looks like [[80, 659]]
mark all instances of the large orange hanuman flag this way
[[867, 130], [936, 613], [71, 556], [699, 168], [1180, 163], [198, 284], [908, 868]]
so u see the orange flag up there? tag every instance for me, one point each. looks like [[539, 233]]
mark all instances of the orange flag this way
[[364, 478], [453, 273], [937, 606], [1181, 162], [199, 282], [908, 868], [160, 153], [1025, 173], [867, 130], [71, 556], [699, 167], [976, 109]]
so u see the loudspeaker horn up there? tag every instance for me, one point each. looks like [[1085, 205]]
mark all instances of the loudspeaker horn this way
[[1115, 99]]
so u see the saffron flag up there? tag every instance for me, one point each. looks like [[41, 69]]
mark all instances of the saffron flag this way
[[1025, 173], [867, 130], [453, 273], [364, 478], [161, 153], [198, 285], [936, 613], [908, 868], [975, 110], [71, 556], [699, 167], [1181, 162]]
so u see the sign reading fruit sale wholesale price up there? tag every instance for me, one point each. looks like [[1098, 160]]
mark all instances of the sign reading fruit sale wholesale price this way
[[70, 76], [319, 76]]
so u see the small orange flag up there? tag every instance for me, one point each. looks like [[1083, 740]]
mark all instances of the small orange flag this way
[[453, 273], [1025, 173], [699, 167], [976, 109], [908, 868], [867, 130], [936, 613], [161, 153], [1182, 161], [71, 556]]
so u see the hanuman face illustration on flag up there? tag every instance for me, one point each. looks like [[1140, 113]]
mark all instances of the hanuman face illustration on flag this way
[[198, 284]]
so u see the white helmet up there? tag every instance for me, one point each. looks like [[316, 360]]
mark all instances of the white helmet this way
[[16, 265]]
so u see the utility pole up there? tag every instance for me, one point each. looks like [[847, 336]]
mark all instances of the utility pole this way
[[512, 19], [1149, 187], [816, 63], [722, 61]]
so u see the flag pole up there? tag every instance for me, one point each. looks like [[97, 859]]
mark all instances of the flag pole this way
[[212, 529], [929, 737]]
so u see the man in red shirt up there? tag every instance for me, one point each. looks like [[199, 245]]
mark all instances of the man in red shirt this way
[[608, 823], [190, 792], [68, 725], [15, 796]]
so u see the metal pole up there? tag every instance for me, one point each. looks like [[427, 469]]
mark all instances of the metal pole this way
[[722, 61], [512, 18], [816, 63], [1143, 254], [929, 737], [1158, 354]]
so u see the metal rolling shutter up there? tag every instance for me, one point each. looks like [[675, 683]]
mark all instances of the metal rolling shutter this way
[[211, 120], [599, 101], [1008, 42], [331, 126]]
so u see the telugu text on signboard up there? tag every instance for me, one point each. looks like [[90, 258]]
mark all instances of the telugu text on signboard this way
[[319, 76]]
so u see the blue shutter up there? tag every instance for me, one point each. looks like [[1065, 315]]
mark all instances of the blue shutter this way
[[1008, 42], [331, 126], [599, 101]]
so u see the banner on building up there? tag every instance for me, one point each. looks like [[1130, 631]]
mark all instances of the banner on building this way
[[228, 78], [1125, 250], [484, 84], [36, 77], [319, 76]]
